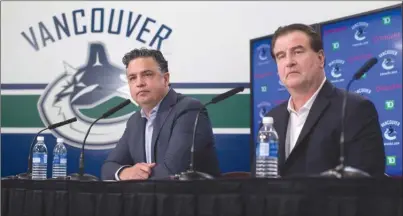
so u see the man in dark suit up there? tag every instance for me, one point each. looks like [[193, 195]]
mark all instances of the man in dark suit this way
[[157, 140], [308, 124]]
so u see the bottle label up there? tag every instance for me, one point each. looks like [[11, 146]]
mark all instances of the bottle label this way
[[39, 158], [273, 149], [59, 159], [263, 149]]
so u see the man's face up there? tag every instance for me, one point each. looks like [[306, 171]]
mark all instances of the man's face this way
[[147, 84], [297, 64]]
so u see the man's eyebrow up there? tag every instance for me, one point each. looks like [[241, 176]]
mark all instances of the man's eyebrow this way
[[292, 48], [141, 72], [297, 47]]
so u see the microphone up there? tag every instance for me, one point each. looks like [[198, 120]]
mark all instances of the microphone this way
[[191, 174], [81, 176], [342, 171], [28, 174], [368, 65]]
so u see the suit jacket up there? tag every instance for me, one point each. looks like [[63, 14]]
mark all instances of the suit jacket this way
[[171, 140], [318, 146]]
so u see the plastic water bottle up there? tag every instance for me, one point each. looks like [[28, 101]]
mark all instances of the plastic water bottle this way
[[59, 164], [39, 160], [267, 150]]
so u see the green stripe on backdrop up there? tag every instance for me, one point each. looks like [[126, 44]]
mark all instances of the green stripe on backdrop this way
[[21, 111]]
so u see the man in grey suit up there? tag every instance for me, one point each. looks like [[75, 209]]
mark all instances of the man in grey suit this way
[[157, 140]]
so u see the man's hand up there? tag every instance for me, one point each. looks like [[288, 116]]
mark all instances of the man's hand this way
[[138, 171]]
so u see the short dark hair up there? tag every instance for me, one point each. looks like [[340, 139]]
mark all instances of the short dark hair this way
[[144, 52], [315, 38]]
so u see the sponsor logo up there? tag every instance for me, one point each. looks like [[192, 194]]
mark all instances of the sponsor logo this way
[[389, 104], [359, 57], [335, 30], [263, 75], [386, 20], [335, 45], [391, 160], [388, 87], [393, 36]]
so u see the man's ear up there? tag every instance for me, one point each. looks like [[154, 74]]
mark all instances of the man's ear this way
[[321, 56], [166, 78]]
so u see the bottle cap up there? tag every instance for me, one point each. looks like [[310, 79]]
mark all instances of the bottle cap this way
[[40, 138], [59, 140], [268, 120]]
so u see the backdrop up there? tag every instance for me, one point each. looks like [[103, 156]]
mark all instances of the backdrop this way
[[348, 42]]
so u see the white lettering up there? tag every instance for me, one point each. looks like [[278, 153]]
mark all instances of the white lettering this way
[[388, 52], [390, 122]]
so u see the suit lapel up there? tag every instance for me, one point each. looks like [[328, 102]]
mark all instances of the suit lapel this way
[[318, 107], [281, 127], [162, 114]]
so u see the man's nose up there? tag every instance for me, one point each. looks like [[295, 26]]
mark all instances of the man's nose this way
[[140, 82], [290, 61]]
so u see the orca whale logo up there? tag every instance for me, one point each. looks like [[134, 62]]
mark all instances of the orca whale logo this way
[[336, 71], [388, 63], [87, 92], [390, 133], [360, 33]]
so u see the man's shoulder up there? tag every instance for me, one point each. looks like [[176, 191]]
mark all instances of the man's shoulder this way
[[187, 102], [134, 117], [277, 109]]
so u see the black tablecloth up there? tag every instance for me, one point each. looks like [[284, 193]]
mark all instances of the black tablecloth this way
[[255, 197]]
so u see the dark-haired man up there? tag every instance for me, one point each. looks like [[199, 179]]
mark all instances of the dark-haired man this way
[[309, 122], [157, 140]]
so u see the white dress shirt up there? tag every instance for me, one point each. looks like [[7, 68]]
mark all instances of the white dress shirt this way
[[297, 120]]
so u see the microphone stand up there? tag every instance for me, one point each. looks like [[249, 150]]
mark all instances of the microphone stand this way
[[81, 176], [341, 170], [191, 174]]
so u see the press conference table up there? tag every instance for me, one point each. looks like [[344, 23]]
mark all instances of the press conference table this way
[[232, 197]]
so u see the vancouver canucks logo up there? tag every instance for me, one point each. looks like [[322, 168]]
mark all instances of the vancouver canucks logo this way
[[390, 133], [336, 71], [86, 92], [388, 63], [263, 54], [360, 30], [360, 33], [264, 108]]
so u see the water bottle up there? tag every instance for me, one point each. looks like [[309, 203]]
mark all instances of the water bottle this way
[[59, 164], [39, 159], [267, 150]]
